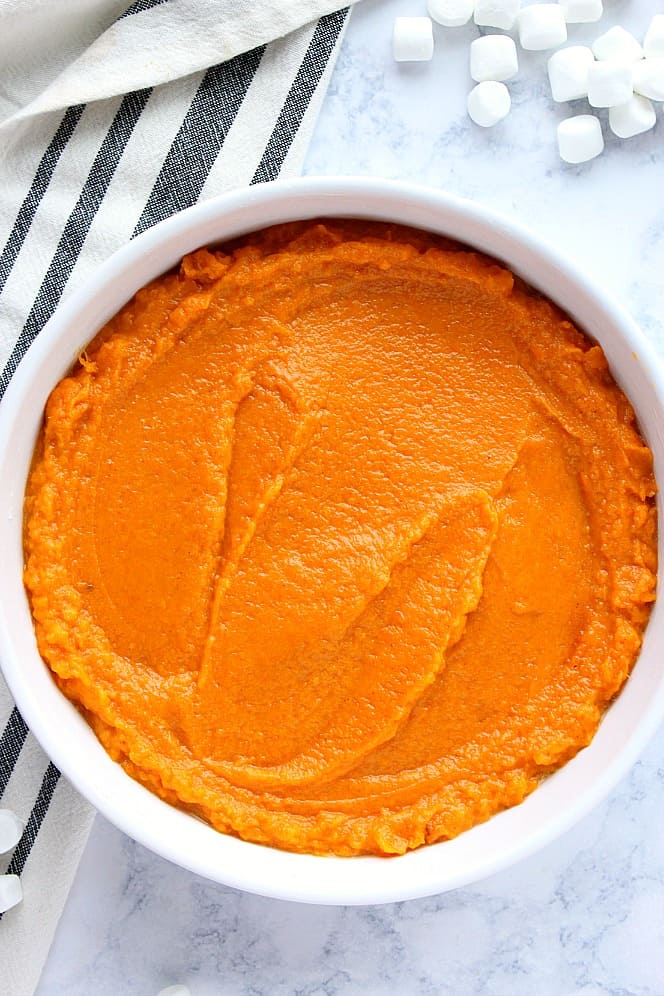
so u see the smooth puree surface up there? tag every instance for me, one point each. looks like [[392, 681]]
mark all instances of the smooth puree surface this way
[[340, 537]]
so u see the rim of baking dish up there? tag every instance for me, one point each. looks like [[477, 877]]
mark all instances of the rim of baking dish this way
[[562, 799]]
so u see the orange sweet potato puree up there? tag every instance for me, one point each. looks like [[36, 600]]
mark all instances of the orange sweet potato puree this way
[[340, 537]]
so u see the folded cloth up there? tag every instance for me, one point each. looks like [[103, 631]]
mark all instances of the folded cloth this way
[[149, 43], [161, 104]]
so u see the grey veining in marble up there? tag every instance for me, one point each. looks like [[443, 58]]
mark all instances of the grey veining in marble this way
[[585, 916]]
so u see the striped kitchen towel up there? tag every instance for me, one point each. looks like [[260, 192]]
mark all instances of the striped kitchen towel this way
[[113, 117]]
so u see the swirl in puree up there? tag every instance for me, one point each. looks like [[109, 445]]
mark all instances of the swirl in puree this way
[[340, 537]]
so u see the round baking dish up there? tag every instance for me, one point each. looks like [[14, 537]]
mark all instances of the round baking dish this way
[[561, 799]]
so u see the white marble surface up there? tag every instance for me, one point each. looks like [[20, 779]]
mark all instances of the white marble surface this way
[[585, 916]]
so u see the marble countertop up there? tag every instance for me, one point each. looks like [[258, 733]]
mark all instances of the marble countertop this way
[[585, 916]]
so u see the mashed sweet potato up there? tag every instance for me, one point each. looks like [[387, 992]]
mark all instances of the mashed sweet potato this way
[[340, 537]]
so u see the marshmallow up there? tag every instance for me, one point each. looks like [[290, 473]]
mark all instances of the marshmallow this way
[[617, 45], [580, 138], [653, 43], [11, 892], [609, 84], [648, 78], [497, 13], [488, 103], [174, 991], [451, 13], [568, 72], [632, 118], [582, 11], [412, 40], [11, 830], [542, 25], [493, 57]]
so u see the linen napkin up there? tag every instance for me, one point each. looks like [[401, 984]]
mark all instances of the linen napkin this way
[[112, 117]]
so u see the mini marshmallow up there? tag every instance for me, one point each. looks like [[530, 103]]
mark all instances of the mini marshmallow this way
[[493, 57], [609, 84], [412, 39], [568, 72], [542, 25], [488, 103], [632, 118], [497, 13], [11, 830], [653, 43], [451, 13], [582, 11], [648, 78], [11, 892], [580, 138], [174, 991], [617, 45]]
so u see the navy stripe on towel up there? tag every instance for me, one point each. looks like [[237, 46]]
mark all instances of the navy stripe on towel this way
[[37, 190], [200, 137], [11, 745], [299, 96], [77, 226]]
